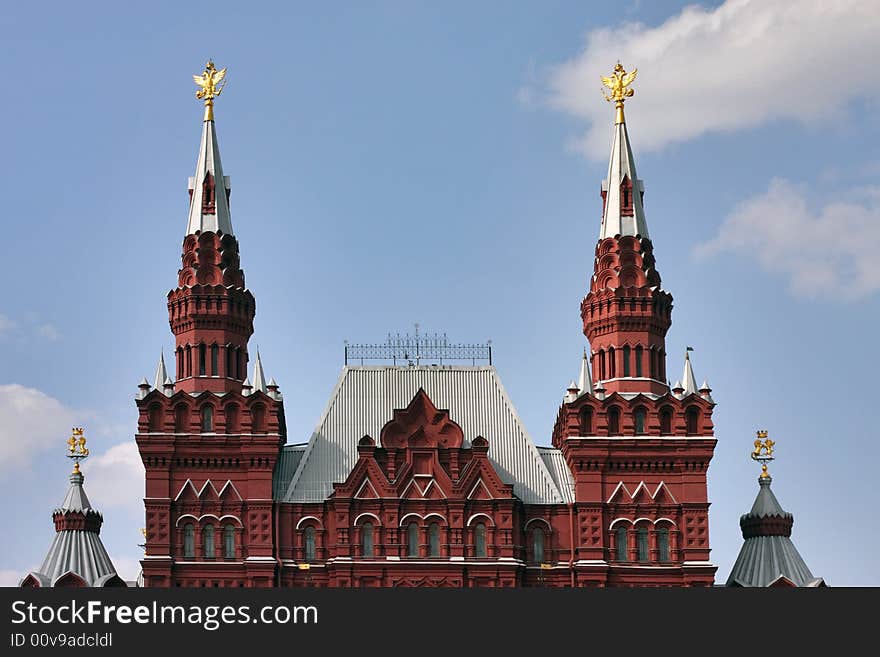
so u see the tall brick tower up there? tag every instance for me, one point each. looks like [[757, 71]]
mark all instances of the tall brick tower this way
[[209, 440], [638, 450]]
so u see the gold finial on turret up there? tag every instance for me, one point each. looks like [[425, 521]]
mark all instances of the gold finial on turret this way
[[211, 82], [763, 452], [618, 83], [76, 447]]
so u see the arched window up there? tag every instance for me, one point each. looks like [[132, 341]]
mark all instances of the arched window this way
[[215, 356], [586, 421], [626, 354], [229, 542], [367, 538], [639, 356], [653, 364], [258, 418], [538, 545], [434, 539], [154, 417], [642, 543], [602, 370], [612, 366], [231, 418], [309, 543], [480, 541], [201, 360], [180, 417], [665, 421], [208, 538], [640, 417], [620, 543], [207, 418], [663, 544], [412, 542], [180, 366], [189, 541], [614, 421], [692, 417]]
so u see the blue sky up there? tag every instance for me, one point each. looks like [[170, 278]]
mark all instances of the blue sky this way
[[407, 162]]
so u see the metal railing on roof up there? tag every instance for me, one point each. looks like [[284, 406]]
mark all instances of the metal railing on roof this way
[[419, 349]]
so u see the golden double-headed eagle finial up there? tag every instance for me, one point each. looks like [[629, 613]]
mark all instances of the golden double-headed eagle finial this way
[[763, 452], [619, 82], [76, 447], [211, 83]]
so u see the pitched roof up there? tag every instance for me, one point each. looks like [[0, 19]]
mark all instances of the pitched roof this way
[[209, 216], [768, 553], [622, 165], [364, 399], [77, 551]]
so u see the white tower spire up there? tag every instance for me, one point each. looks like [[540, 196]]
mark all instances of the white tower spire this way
[[688, 379], [259, 377], [161, 373], [209, 188], [585, 381]]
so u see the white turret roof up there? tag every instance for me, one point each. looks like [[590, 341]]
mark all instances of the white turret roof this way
[[161, 373], [622, 165], [690, 382], [259, 377], [209, 162], [585, 381]]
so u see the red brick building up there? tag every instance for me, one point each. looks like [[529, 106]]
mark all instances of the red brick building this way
[[423, 474]]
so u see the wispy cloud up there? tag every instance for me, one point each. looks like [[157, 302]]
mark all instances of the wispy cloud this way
[[30, 422], [116, 478], [825, 251], [737, 66], [49, 331]]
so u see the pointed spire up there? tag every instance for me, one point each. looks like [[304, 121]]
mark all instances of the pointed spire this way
[[168, 386], [622, 191], [246, 387], [259, 377], [161, 373], [690, 382], [209, 188], [585, 381]]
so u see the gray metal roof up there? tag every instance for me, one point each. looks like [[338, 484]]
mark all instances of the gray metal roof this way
[[621, 164], [559, 470], [285, 468], [364, 399], [767, 554], [79, 551]]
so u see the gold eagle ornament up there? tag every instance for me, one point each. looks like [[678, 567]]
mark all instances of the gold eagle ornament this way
[[619, 82], [211, 83]]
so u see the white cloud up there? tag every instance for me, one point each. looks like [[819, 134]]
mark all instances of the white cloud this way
[[736, 66], [116, 478], [30, 422], [49, 331], [824, 252]]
